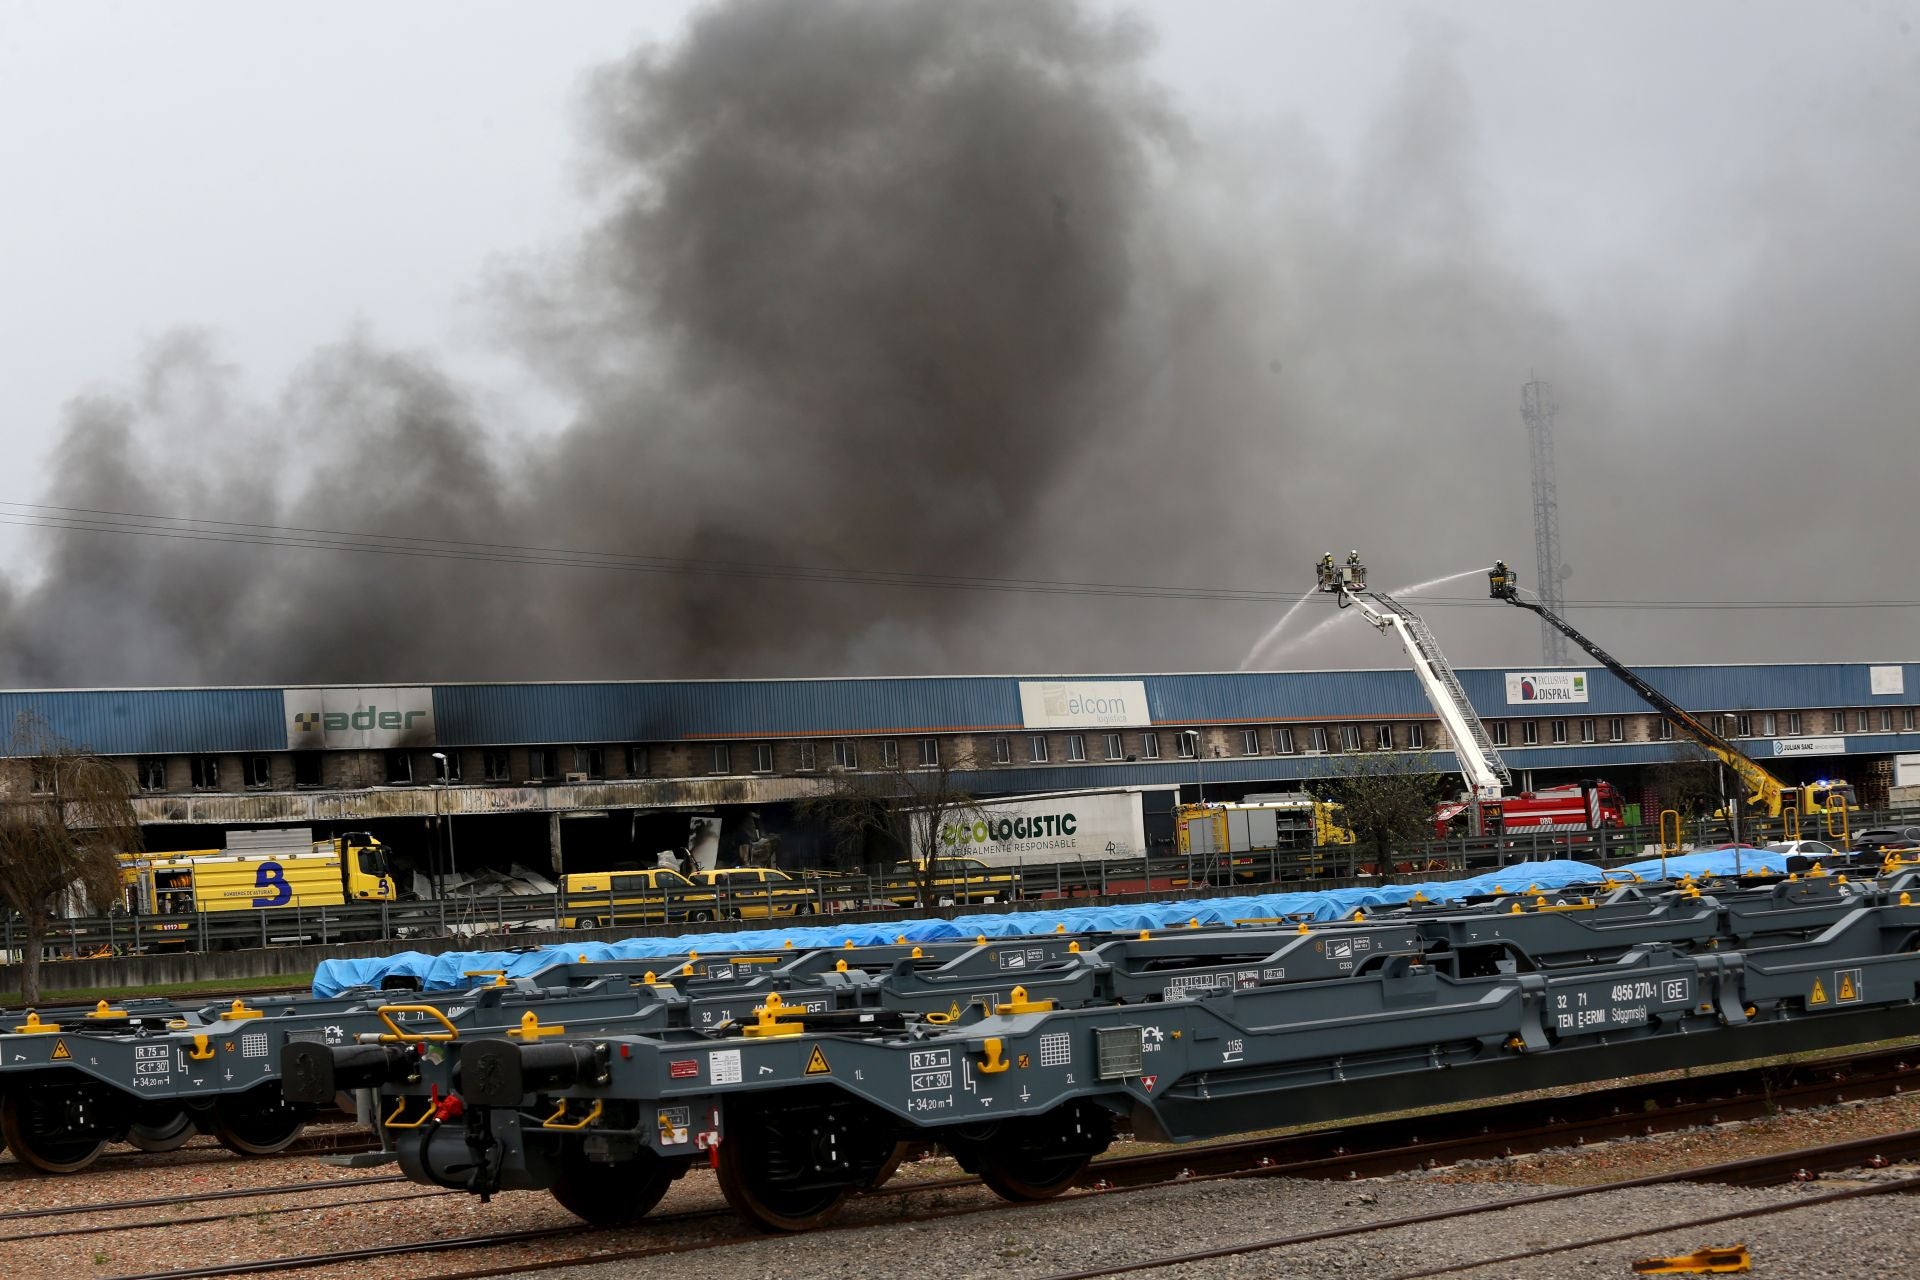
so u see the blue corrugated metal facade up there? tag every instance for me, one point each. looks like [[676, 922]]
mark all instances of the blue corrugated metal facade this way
[[167, 721], [130, 722]]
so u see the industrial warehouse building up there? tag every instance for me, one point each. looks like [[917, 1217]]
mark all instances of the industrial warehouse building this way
[[588, 775]]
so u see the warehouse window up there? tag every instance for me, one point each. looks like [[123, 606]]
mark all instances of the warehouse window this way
[[39, 777], [206, 773], [306, 769], [1886, 719], [889, 754], [846, 755], [1249, 742], [1793, 723], [1116, 748], [543, 764], [1743, 725], [1559, 729], [591, 761], [399, 768], [809, 758], [1497, 733], [1588, 731], [1383, 737], [1002, 751], [1349, 737], [1529, 733], [1616, 730], [719, 759], [1416, 737], [256, 772], [1076, 747], [929, 753], [1317, 740], [497, 765], [1149, 746], [1282, 741], [637, 762], [1837, 719], [1037, 749], [1663, 729], [763, 757], [1906, 720], [151, 773], [1187, 743], [1769, 724], [446, 766]]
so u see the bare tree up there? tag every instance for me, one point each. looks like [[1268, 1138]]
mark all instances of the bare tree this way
[[1690, 785], [891, 813], [1388, 798], [66, 815]]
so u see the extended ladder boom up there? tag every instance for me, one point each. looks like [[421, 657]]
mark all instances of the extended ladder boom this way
[[1485, 772], [1764, 790]]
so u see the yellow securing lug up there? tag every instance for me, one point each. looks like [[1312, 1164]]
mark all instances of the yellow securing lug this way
[[1303, 928], [918, 954], [1818, 870], [1715, 1260], [849, 945], [1060, 928], [1145, 934], [531, 1030], [396, 1034], [994, 1063], [583, 960], [839, 966], [238, 1010], [1514, 909], [979, 939], [1516, 1044], [201, 1050], [1906, 899], [900, 940], [787, 944], [693, 955], [1497, 889], [686, 971], [650, 978], [499, 976], [1419, 897], [34, 1027], [393, 1120], [1194, 923], [104, 1011], [767, 1020], [555, 1120], [1018, 1003], [1073, 948]]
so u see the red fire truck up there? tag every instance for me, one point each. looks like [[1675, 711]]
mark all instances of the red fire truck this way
[[1588, 805]]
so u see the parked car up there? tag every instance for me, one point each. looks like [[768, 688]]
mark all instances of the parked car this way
[[955, 880], [751, 893], [1805, 855], [1877, 840], [596, 899]]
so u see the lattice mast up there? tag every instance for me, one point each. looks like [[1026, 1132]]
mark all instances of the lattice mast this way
[[1537, 407]]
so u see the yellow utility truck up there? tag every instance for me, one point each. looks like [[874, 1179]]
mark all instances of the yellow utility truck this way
[[287, 873]]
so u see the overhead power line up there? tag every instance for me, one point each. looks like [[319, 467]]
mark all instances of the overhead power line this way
[[296, 537]]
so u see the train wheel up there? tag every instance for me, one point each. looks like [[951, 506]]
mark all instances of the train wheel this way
[[1038, 1159], [46, 1127], [613, 1195], [884, 1175], [258, 1122], [790, 1166], [157, 1129]]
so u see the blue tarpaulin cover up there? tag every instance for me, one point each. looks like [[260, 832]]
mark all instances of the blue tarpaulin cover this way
[[444, 972]]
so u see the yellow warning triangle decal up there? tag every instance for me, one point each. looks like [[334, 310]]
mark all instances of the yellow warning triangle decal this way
[[1819, 995], [954, 1012], [60, 1053], [1846, 987], [817, 1063]]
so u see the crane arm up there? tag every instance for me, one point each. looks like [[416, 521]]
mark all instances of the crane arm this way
[[1764, 790], [1485, 772]]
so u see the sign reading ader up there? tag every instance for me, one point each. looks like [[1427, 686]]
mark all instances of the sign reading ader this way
[[1083, 704], [1546, 686], [338, 719]]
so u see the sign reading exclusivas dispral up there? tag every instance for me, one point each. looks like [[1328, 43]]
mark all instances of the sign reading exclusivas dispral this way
[[1525, 687], [1083, 704]]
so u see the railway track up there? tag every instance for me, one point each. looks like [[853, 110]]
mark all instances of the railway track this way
[[1355, 1151]]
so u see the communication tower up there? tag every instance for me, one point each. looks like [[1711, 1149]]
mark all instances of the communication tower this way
[[1537, 406]]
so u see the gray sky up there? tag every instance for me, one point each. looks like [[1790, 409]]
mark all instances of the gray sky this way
[[281, 176]]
